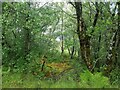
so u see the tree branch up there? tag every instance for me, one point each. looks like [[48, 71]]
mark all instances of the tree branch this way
[[96, 16], [72, 4]]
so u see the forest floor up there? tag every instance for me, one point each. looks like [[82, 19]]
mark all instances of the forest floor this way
[[55, 75]]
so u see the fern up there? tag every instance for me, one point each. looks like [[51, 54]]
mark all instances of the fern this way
[[96, 80]]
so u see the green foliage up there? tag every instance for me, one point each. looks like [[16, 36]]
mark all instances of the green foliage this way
[[87, 80], [30, 30], [70, 83], [96, 80], [115, 77], [18, 80], [13, 80]]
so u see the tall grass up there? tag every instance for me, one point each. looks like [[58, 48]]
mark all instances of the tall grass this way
[[87, 80]]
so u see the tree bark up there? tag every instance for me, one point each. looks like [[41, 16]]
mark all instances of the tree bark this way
[[118, 35], [26, 42], [97, 52], [84, 39], [111, 55], [26, 36], [72, 53], [62, 41], [114, 43]]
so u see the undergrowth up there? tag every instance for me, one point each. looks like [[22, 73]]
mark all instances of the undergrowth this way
[[87, 80]]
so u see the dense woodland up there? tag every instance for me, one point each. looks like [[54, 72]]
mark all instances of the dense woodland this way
[[60, 44]]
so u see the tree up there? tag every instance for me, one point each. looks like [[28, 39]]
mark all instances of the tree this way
[[111, 61], [84, 38]]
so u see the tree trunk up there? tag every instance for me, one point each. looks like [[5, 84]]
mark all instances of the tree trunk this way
[[26, 42], [26, 36], [118, 35], [62, 41], [72, 52], [97, 52], [84, 39], [114, 43], [62, 46], [111, 54], [73, 48]]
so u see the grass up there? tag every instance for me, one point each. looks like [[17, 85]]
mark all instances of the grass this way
[[68, 79], [19, 80], [15, 81]]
